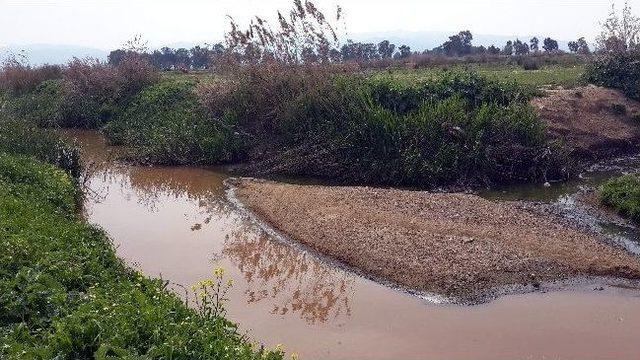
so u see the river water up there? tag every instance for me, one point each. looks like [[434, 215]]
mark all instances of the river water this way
[[175, 223]]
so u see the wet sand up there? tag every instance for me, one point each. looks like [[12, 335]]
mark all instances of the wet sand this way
[[457, 245]]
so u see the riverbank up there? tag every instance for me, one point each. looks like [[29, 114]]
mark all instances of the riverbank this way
[[65, 293], [457, 245]]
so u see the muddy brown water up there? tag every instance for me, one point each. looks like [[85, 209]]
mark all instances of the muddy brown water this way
[[176, 223]]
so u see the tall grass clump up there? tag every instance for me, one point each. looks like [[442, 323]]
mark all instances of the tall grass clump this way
[[326, 121], [168, 125]]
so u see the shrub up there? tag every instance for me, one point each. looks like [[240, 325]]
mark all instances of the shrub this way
[[17, 78], [43, 106], [616, 70], [623, 195], [168, 125], [89, 95]]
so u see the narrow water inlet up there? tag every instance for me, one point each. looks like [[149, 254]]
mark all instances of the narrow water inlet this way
[[176, 223]]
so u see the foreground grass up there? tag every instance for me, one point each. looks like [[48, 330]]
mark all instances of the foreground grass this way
[[64, 294], [623, 195]]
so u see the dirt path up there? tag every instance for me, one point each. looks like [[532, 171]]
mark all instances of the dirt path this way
[[453, 244]]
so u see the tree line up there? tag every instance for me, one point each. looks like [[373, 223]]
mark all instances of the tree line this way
[[199, 57]]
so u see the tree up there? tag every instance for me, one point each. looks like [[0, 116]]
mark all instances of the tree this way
[[620, 33], [458, 45], [386, 49], [550, 45], [493, 50], [508, 48], [573, 46], [583, 46], [200, 57], [520, 47], [116, 56], [579, 47], [405, 52], [534, 44]]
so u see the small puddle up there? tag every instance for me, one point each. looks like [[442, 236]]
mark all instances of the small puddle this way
[[175, 222]]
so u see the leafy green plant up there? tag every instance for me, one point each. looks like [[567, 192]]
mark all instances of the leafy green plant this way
[[623, 195]]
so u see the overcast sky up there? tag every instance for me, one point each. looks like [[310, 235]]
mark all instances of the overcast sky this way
[[108, 24]]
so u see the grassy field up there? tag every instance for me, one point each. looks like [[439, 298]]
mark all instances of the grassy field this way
[[549, 76], [552, 76], [64, 294]]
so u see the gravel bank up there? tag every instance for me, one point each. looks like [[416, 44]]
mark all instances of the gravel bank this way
[[457, 245]]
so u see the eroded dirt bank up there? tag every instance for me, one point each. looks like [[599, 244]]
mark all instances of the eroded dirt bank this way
[[457, 245], [593, 122]]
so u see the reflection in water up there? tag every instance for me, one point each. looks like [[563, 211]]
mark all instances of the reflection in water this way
[[290, 279], [291, 282]]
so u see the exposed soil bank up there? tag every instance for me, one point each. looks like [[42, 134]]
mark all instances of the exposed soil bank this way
[[594, 122], [457, 245]]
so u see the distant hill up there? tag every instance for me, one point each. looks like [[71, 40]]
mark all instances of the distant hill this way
[[38, 54]]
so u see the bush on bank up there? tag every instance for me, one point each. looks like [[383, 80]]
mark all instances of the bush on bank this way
[[64, 293], [168, 125], [25, 138], [619, 70], [457, 129], [623, 195], [85, 93]]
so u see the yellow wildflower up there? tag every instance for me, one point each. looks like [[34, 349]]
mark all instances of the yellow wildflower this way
[[218, 272]]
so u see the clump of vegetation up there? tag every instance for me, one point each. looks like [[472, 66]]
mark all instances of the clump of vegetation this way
[[618, 62], [623, 195], [65, 294], [616, 70], [20, 137], [86, 94], [529, 63], [458, 128], [17, 78], [168, 125], [42, 106]]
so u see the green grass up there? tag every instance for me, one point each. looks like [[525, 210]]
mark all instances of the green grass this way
[[623, 195], [21, 137], [168, 125], [64, 294], [551, 76]]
